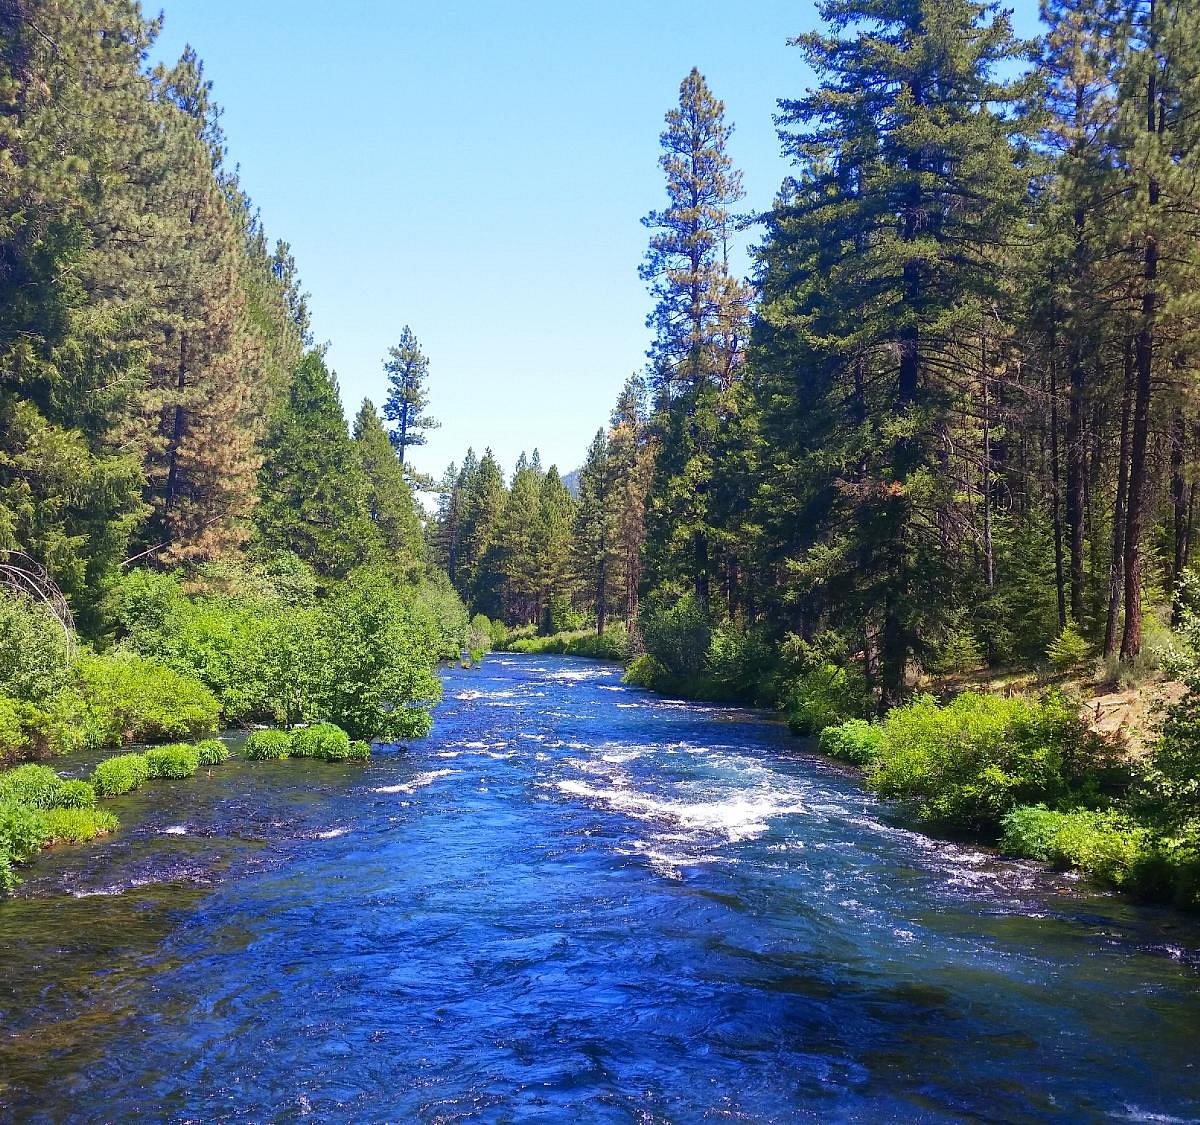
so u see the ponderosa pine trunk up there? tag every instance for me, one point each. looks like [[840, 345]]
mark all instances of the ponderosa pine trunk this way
[[1131, 637], [1116, 570]]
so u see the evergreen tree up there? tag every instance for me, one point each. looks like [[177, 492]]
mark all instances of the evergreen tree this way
[[314, 494], [908, 186], [407, 370], [700, 322], [597, 548], [389, 499], [554, 542], [484, 498]]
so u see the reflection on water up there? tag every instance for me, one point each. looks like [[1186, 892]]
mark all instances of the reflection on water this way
[[576, 901]]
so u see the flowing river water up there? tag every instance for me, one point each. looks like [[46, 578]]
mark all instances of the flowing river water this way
[[576, 902]]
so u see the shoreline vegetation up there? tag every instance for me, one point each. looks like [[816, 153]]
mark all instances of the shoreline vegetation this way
[[331, 670]]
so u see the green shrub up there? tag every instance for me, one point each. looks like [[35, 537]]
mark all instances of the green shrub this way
[[179, 760], [22, 831], [212, 751], [678, 634], [33, 650], [479, 638], [737, 665], [27, 730], [322, 740], [8, 877], [823, 697], [360, 751], [76, 795], [267, 745], [380, 647], [648, 672], [128, 698], [959, 652], [77, 826], [1106, 845], [1171, 782], [1069, 649], [855, 740], [120, 774], [38, 787], [966, 765], [613, 644]]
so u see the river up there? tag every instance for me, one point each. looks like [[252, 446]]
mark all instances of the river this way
[[576, 902]]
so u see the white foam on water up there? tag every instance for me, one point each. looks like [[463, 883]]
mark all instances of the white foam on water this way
[[175, 830], [418, 782], [331, 834], [742, 816]]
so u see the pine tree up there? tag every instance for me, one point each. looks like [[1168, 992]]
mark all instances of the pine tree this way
[[554, 542], [314, 495], [484, 498], [700, 323], [390, 501], [908, 186], [511, 560], [597, 549], [407, 370]]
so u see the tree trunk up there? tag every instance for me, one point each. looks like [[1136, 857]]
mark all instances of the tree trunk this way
[[1179, 508], [1076, 472], [1055, 489], [177, 427], [1131, 638], [1116, 569]]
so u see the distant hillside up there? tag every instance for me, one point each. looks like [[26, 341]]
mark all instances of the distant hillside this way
[[571, 480]]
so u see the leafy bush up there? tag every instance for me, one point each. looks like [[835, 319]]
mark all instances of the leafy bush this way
[[33, 650], [76, 826], [8, 877], [824, 696], [966, 765], [648, 672], [323, 740], [479, 638], [22, 831], [123, 697], [1171, 782], [378, 663], [855, 740], [1069, 649], [959, 652], [27, 730], [267, 745], [612, 645], [677, 635], [737, 665], [76, 795], [38, 787], [179, 760], [120, 774], [359, 751], [212, 751], [1107, 845]]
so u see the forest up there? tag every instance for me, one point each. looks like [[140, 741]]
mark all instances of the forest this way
[[947, 426]]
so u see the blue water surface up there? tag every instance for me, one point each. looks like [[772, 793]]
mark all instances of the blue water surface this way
[[577, 902]]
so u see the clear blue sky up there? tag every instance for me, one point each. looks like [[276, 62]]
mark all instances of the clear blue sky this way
[[478, 171]]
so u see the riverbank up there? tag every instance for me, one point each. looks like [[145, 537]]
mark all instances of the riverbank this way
[[579, 901], [41, 808], [1056, 766]]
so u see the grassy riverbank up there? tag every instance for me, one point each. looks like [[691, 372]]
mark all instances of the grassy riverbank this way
[[40, 809], [345, 661]]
